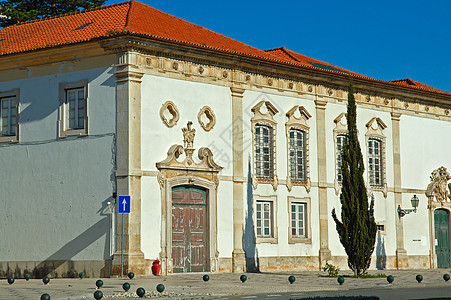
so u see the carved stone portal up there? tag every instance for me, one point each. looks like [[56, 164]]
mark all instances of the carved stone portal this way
[[438, 187], [175, 171]]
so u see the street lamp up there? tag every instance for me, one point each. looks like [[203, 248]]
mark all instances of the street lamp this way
[[415, 201]]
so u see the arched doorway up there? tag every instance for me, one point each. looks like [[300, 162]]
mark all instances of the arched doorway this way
[[189, 229], [441, 226]]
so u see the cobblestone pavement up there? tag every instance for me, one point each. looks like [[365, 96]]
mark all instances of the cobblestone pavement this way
[[191, 286]]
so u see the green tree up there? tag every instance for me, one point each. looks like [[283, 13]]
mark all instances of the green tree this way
[[15, 11], [357, 229]]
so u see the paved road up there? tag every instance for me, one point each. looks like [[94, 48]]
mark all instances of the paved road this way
[[384, 293], [221, 286]]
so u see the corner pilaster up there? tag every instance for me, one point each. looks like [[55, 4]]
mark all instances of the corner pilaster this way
[[128, 173], [238, 254], [401, 254], [324, 251]]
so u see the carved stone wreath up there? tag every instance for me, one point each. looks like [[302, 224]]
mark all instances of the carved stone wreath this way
[[169, 107], [208, 113]]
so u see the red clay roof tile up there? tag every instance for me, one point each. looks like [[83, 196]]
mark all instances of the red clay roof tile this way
[[412, 83], [135, 18]]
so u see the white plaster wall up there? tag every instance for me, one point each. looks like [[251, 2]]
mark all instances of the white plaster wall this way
[[150, 217], [425, 146], [416, 227], [225, 219], [54, 192], [189, 97]]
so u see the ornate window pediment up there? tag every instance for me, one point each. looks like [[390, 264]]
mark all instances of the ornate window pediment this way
[[375, 126]]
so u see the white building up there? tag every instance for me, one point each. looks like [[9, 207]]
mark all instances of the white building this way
[[230, 154]]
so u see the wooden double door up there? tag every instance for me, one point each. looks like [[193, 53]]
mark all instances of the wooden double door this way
[[189, 229], [441, 224]]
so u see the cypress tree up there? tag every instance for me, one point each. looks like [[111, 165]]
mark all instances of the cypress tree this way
[[357, 229]]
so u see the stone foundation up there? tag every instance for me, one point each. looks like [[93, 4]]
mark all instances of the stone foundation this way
[[312, 263], [56, 268]]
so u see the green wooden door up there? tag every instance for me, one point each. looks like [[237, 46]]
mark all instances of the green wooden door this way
[[441, 222]]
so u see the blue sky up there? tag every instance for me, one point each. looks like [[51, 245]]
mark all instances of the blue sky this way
[[382, 39]]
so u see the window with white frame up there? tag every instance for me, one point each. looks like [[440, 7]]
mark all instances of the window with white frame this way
[[73, 108], [375, 161], [297, 154], [264, 151], [298, 220], [264, 219], [340, 141], [9, 116], [298, 216]]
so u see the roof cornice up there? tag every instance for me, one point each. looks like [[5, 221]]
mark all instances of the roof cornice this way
[[272, 68]]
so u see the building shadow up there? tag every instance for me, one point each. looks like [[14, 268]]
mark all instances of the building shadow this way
[[249, 238], [66, 253], [381, 257]]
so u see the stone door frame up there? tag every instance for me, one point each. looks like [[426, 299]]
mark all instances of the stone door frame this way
[[166, 220]]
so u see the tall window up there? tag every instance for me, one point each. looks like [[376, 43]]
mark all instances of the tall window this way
[[297, 155], [298, 220], [264, 151], [8, 114], [341, 138], [264, 218], [375, 162], [75, 108], [73, 117]]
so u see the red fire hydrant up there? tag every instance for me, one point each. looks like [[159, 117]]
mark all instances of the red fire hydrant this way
[[156, 267]]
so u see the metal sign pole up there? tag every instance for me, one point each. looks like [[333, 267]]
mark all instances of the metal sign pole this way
[[123, 208], [122, 247]]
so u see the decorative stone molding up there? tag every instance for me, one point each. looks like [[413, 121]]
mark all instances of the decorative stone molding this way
[[438, 188], [206, 112], [383, 98], [299, 123], [341, 129], [173, 171], [375, 128], [264, 118], [188, 135], [169, 108]]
